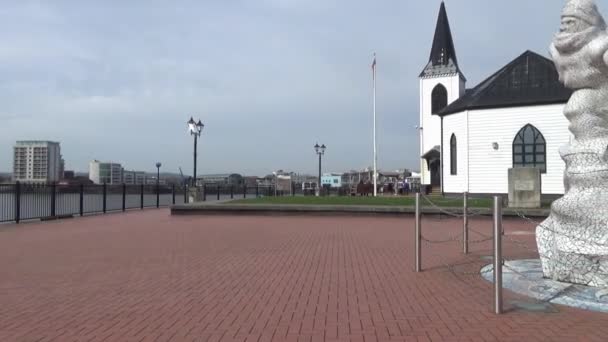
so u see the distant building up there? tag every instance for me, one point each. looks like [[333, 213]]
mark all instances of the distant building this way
[[68, 174], [251, 180], [37, 161], [105, 172], [151, 180], [222, 179], [331, 180], [134, 177], [414, 178]]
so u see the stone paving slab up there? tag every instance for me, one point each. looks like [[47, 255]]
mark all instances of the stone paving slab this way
[[150, 276], [526, 277]]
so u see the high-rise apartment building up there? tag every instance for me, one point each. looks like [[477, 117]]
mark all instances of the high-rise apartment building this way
[[37, 161], [105, 172]]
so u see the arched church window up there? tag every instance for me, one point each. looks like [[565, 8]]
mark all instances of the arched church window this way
[[530, 149], [453, 156], [439, 98]]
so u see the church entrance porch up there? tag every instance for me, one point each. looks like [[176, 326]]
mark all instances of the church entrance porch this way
[[433, 162], [435, 169]]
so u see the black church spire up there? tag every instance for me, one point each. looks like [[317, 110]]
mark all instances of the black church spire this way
[[443, 54]]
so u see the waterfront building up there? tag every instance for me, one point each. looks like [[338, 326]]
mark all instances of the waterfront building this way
[[105, 172], [134, 177], [331, 180], [37, 161], [222, 179]]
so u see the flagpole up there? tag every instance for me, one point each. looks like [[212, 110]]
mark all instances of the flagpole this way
[[375, 148]]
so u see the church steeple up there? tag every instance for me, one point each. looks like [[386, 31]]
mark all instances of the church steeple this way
[[443, 59]]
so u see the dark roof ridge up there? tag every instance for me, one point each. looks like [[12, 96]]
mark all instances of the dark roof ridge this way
[[488, 94]]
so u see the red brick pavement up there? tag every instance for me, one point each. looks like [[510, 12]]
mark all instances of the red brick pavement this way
[[147, 276]]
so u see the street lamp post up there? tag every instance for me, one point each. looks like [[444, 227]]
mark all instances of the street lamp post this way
[[158, 165], [195, 128], [320, 150]]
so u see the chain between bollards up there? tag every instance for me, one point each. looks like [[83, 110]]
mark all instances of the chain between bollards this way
[[418, 235], [498, 255]]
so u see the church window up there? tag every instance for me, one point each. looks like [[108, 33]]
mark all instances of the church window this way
[[453, 156], [439, 98], [529, 149]]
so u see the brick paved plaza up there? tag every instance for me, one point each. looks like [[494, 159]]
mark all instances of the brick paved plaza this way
[[147, 276]]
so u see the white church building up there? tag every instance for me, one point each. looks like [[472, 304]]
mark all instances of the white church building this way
[[470, 138]]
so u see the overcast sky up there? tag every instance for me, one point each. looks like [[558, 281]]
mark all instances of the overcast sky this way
[[117, 80]]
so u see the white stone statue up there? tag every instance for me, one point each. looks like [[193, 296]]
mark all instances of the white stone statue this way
[[573, 241]]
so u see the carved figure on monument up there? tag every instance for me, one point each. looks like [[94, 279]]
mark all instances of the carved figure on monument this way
[[573, 241]]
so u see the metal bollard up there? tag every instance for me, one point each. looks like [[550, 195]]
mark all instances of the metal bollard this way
[[418, 235], [498, 255], [465, 216], [218, 192]]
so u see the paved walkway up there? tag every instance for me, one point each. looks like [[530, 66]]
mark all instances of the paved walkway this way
[[148, 276]]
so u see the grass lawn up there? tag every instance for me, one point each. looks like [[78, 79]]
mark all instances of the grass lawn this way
[[390, 201]]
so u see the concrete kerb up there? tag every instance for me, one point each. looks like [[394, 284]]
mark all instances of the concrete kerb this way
[[297, 209]]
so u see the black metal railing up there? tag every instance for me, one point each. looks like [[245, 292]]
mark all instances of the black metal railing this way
[[24, 201]]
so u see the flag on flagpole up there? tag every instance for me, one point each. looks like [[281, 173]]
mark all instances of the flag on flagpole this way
[[374, 65]]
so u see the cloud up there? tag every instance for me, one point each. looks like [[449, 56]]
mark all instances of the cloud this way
[[118, 79]]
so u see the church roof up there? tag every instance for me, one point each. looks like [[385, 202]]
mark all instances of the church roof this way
[[530, 79], [442, 60]]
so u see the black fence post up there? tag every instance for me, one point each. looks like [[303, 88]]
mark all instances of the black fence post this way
[[124, 196], [173, 194], [232, 191], [81, 200], [17, 202], [218, 192], [257, 190], [157, 194], [293, 189], [141, 197], [204, 192], [185, 194], [105, 197], [244, 191], [53, 198]]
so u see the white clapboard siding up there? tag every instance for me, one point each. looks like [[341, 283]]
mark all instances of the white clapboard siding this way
[[455, 124], [431, 124], [488, 168]]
